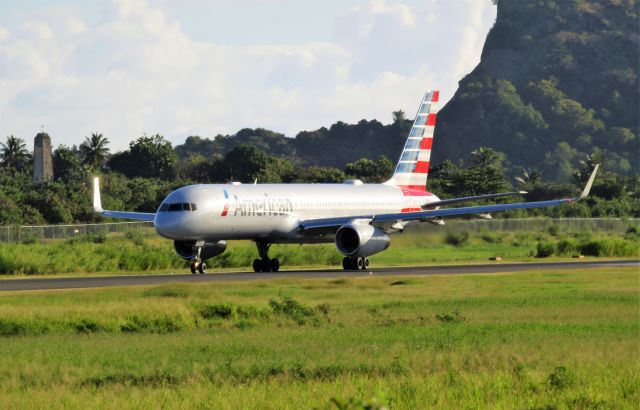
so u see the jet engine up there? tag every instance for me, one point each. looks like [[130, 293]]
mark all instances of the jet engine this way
[[361, 240], [187, 250]]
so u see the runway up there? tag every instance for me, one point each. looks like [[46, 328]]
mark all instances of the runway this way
[[41, 283]]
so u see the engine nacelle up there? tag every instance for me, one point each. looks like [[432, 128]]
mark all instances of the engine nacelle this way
[[357, 240], [187, 250]]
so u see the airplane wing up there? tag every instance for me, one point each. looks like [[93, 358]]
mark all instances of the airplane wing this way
[[327, 225], [471, 198], [97, 207]]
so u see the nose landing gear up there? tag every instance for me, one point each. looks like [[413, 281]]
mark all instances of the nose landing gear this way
[[198, 267], [264, 264], [197, 264], [355, 263]]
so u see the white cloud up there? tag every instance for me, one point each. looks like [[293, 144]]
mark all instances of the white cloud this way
[[39, 29], [135, 71]]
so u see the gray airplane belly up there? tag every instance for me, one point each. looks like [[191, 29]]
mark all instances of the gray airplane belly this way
[[273, 229]]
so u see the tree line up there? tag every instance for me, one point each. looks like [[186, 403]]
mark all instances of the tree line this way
[[141, 176]]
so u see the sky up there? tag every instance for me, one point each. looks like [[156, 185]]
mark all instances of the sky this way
[[125, 68]]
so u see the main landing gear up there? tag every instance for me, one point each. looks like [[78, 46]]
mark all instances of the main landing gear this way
[[264, 264], [355, 263], [197, 264]]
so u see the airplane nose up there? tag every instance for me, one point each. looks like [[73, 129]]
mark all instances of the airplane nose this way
[[168, 225]]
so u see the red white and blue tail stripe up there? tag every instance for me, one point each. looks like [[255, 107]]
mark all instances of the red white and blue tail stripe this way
[[413, 166]]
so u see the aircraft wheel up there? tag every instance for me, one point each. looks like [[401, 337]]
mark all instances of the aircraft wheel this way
[[275, 265], [346, 263], [257, 265], [366, 263], [359, 263], [265, 265], [194, 267], [202, 268]]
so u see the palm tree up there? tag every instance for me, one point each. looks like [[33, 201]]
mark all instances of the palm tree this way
[[529, 177], [586, 166], [14, 154], [485, 157], [94, 150]]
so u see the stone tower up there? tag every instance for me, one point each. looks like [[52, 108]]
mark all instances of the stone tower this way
[[42, 162]]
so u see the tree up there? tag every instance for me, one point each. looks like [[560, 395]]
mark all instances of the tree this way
[[94, 150], [370, 171], [324, 175], [148, 157], [246, 163], [398, 116], [586, 166], [484, 157], [14, 154], [67, 165], [529, 177]]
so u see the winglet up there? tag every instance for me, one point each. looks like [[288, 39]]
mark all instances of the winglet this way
[[587, 188], [97, 202]]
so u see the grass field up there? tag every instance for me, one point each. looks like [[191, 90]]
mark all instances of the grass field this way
[[543, 339], [419, 245]]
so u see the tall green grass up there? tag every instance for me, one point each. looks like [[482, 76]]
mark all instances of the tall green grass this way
[[530, 340], [137, 253]]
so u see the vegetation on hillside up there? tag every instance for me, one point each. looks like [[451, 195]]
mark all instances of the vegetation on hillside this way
[[557, 81], [138, 179]]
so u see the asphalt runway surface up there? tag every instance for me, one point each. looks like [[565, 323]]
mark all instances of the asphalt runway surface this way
[[47, 283]]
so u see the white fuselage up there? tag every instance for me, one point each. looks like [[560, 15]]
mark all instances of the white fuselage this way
[[273, 212]]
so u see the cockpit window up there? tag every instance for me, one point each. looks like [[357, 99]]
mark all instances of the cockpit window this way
[[177, 207]]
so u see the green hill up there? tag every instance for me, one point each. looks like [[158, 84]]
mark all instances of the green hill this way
[[557, 80]]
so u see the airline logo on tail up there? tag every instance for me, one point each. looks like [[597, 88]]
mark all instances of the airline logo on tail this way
[[413, 167]]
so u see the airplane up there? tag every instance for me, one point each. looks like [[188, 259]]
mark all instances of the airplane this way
[[359, 218]]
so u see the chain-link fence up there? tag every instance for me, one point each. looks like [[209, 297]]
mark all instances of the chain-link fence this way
[[49, 232], [612, 225]]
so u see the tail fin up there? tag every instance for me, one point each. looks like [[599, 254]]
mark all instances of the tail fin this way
[[413, 166]]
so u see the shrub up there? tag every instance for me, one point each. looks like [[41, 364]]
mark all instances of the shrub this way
[[217, 311], [135, 237], [85, 325], [159, 324], [491, 238], [12, 327], [610, 247], [453, 317], [567, 247], [544, 249], [457, 239], [291, 308], [633, 232], [98, 237], [560, 378]]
